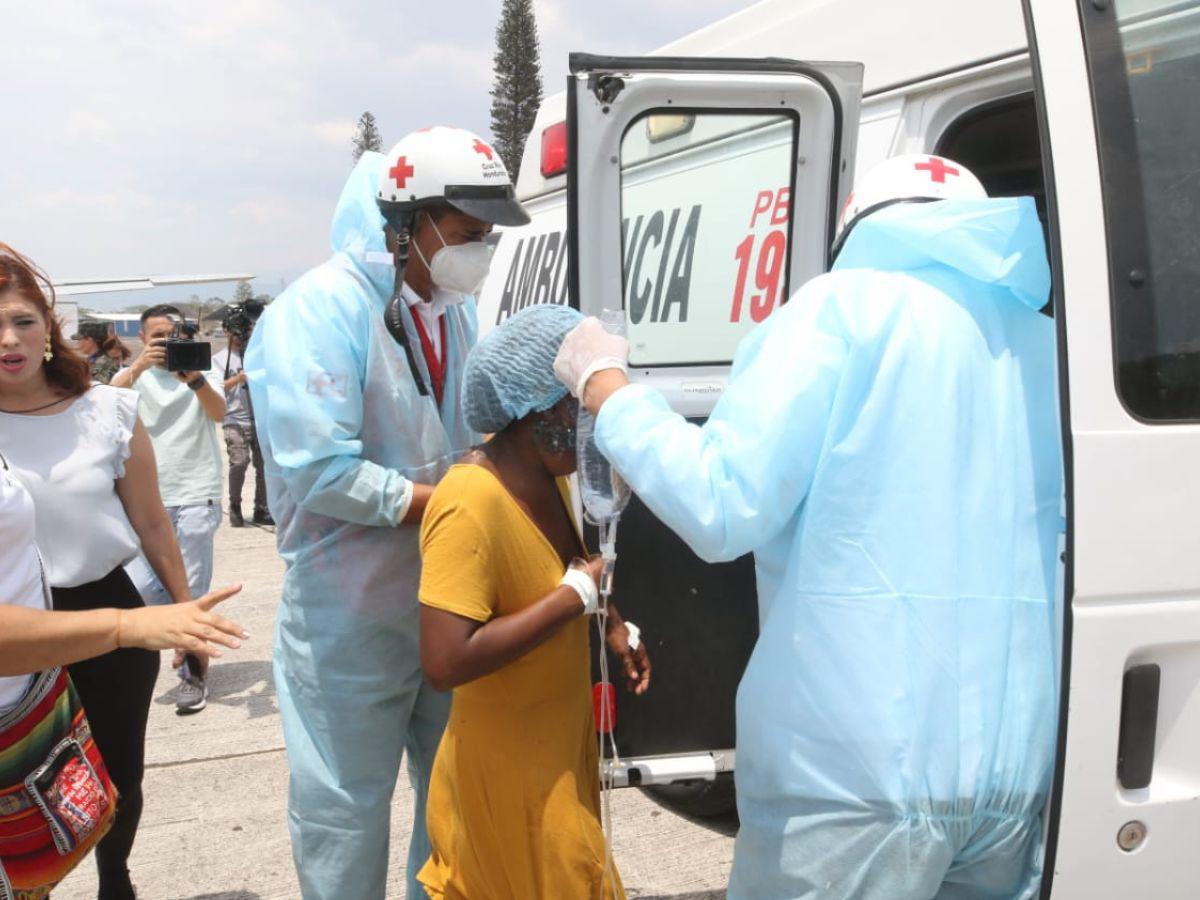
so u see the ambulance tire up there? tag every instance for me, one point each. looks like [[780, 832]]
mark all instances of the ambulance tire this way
[[698, 799]]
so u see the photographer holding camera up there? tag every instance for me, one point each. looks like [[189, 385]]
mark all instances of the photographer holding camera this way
[[241, 440], [180, 401]]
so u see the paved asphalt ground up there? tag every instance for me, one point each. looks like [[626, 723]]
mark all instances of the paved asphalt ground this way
[[216, 783]]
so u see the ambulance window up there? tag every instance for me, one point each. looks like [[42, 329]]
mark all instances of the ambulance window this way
[[1000, 143], [1145, 65], [706, 210]]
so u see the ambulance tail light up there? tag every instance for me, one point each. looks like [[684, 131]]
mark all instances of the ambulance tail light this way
[[554, 150]]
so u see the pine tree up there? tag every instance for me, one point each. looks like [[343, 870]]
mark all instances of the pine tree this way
[[366, 136], [517, 89]]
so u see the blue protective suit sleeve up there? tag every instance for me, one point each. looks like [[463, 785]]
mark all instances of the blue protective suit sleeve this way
[[730, 486], [317, 350]]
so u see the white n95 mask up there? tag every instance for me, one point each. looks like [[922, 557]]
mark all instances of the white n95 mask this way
[[459, 268]]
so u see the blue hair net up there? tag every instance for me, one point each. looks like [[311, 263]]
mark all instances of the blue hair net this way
[[510, 373]]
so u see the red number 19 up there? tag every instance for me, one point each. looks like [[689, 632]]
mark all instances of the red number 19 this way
[[767, 274]]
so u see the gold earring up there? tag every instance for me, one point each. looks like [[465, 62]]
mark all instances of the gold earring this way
[[49, 354]]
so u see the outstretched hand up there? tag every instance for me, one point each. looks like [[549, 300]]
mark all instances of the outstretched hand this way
[[191, 627]]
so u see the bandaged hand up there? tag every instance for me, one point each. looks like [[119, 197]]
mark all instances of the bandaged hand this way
[[583, 576], [587, 349], [625, 643]]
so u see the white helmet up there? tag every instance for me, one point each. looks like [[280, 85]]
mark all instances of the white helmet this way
[[447, 165], [914, 178]]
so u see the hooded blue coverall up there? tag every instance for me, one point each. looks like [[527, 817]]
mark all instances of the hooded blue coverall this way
[[343, 429], [888, 447]]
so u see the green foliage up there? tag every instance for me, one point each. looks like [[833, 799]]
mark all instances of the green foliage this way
[[366, 136], [242, 292], [517, 88]]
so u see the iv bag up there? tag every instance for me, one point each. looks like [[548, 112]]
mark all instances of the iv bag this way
[[605, 493]]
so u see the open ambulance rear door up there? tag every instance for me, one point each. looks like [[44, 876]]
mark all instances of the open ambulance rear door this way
[[701, 193], [1117, 82]]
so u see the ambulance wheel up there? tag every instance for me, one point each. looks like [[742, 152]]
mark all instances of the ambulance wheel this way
[[699, 799]]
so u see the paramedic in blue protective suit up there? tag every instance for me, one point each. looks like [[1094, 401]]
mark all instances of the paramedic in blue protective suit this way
[[888, 448], [356, 401]]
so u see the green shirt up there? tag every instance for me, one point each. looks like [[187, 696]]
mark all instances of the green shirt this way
[[184, 437]]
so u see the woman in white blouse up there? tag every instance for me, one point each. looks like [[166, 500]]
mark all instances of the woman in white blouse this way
[[80, 451], [33, 637]]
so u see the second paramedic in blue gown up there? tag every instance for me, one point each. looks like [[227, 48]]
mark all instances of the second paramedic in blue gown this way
[[888, 448], [355, 431]]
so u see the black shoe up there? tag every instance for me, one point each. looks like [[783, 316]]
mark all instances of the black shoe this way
[[235, 517], [116, 885], [262, 517]]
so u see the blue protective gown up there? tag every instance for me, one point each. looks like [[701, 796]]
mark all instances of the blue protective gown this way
[[888, 448], [342, 427]]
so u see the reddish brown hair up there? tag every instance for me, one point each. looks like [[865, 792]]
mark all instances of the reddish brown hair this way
[[112, 342], [67, 371]]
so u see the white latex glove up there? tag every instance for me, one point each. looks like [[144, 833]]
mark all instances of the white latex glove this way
[[586, 350]]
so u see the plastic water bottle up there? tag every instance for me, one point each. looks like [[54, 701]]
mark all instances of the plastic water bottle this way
[[605, 493]]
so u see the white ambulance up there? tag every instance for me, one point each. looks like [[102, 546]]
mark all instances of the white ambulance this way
[[698, 188]]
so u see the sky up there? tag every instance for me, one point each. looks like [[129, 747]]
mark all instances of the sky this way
[[157, 136]]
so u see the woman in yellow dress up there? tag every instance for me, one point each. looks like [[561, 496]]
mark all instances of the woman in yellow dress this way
[[514, 799]]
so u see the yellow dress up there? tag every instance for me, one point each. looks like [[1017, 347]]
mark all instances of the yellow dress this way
[[514, 798]]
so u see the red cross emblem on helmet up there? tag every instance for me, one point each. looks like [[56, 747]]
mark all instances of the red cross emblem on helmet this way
[[482, 148], [401, 172], [937, 169]]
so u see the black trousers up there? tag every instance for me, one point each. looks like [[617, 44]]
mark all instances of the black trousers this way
[[116, 690]]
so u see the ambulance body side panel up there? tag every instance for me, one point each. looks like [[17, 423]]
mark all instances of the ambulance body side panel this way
[[530, 263], [1117, 81], [940, 36], [909, 99]]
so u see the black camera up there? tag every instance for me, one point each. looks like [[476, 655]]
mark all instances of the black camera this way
[[240, 318], [185, 353]]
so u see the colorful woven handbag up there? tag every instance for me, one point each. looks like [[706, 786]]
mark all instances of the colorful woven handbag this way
[[56, 799]]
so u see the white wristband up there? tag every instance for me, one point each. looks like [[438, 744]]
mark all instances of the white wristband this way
[[581, 582], [635, 636]]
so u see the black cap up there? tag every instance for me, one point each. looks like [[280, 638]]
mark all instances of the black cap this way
[[496, 204], [97, 331], [490, 203]]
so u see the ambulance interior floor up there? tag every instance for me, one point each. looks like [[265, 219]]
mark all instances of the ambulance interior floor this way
[[216, 782]]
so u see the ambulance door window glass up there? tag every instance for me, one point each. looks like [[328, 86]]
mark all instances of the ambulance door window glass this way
[[1001, 143], [706, 222], [1145, 61]]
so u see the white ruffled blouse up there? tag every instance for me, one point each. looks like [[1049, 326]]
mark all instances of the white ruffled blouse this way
[[69, 462], [20, 567]]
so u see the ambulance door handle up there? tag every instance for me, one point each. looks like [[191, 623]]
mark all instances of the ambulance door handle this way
[[1139, 725]]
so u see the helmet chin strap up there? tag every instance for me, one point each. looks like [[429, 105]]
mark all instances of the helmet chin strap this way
[[393, 314]]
